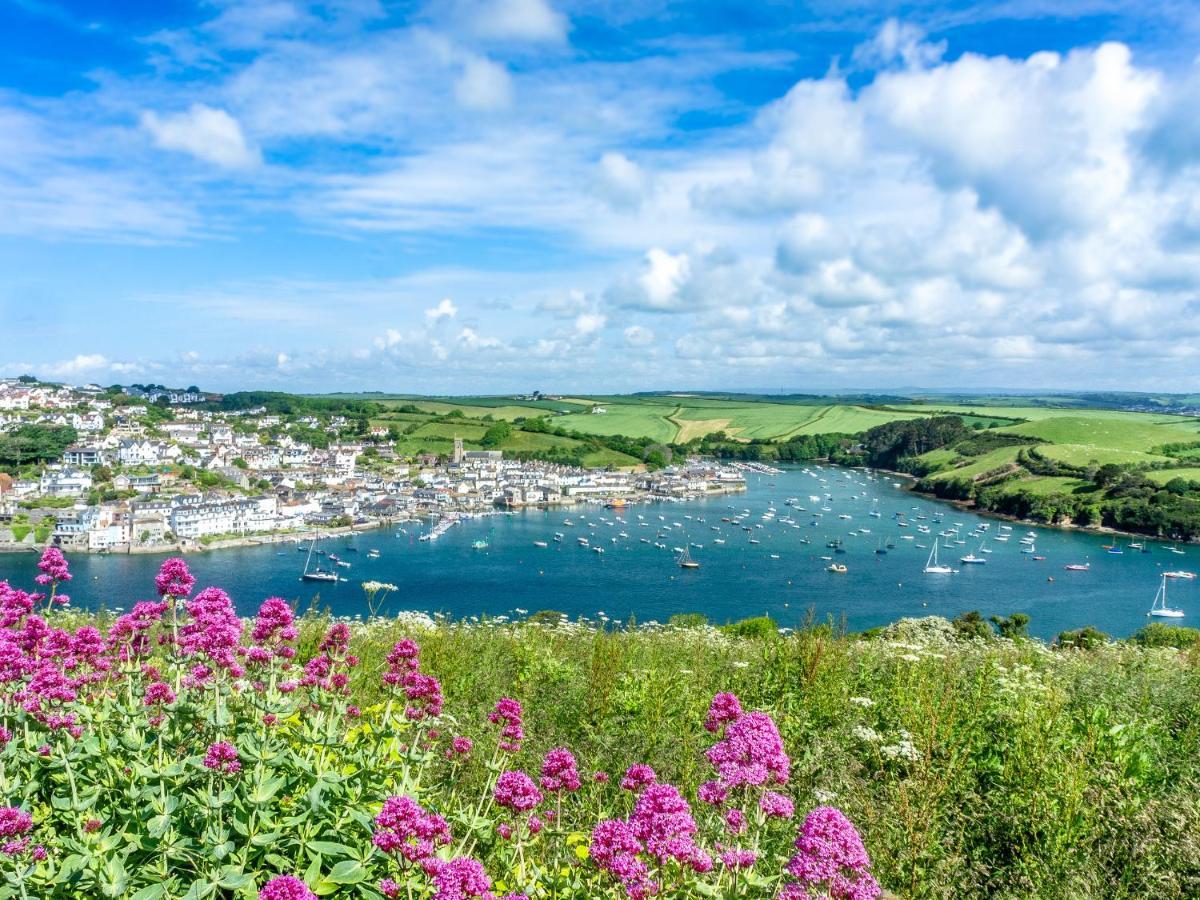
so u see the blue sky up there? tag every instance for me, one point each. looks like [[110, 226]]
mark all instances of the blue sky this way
[[500, 195]]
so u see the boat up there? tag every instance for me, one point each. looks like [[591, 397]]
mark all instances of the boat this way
[[1078, 567], [540, 544], [316, 573], [836, 567], [1179, 573], [685, 560], [372, 554], [343, 564], [972, 560], [1160, 608], [932, 567]]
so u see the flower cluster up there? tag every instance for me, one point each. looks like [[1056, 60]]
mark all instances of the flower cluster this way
[[830, 858], [660, 829], [286, 887], [559, 771], [54, 571], [403, 828], [422, 693], [222, 758], [174, 579], [750, 753], [507, 714], [214, 633]]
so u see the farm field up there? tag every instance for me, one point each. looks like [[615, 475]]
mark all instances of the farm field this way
[[1162, 476]]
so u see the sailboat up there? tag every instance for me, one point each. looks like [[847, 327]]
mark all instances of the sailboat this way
[[318, 573], [1160, 607], [685, 560], [931, 565], [972, 560]]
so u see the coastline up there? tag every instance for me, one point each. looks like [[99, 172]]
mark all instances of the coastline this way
[[970, 507]]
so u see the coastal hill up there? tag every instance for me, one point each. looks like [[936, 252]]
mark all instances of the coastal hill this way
[[1127, 461]]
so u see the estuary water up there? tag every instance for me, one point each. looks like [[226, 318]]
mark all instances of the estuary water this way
[[783, 575]]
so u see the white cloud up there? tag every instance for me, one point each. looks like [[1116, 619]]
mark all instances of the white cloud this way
[[589, 323], [444, 310], [622, 181], [206, 133], [901, 41], [663, 274], [520, 20], [483, 85]]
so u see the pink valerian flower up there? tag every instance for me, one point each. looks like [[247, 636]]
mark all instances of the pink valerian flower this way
[[158, 693], [600, 777], [831, 858], [508, 715], [460, 746], [286, 887], [662, 821], [403, 659], [390, 888], [174, 579], [91, 826], [516, 791], [776, 806], [404, 828], [614, 848], [15, 604], [336, 640], [637, 777], [214, 632], [559, 771], [751, 752], [128, 634], [459, 879], [732, 858], [222, 757], [53, 566], [724, 708], [5, 736], [714, 793], [15, 825], [273, 632], [735, 820]]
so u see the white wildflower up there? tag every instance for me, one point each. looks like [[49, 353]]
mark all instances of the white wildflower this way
[[864, 702]]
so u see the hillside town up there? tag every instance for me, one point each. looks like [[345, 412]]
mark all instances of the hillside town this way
[[151, 469]]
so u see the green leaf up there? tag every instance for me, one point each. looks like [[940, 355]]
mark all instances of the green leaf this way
[[330, 848], [150, 892], [348, 871]]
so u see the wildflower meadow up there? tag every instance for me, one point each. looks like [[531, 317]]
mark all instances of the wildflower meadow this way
[[179, 750]]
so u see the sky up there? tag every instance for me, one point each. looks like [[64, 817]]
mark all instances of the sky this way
[[495, 196]]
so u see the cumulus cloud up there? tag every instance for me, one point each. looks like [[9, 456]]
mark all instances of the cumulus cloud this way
[[211, 135], [483, 85], [444, 310]]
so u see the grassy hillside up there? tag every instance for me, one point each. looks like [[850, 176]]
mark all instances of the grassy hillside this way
[[972, 766]]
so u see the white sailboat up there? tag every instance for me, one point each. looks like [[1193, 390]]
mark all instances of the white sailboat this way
[[972, 560], [932, 567], [317, 574], [1160, 607]]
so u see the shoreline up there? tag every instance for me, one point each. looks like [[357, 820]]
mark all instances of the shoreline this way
[[190, 546]]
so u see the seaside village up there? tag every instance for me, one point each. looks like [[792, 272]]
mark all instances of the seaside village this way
[[156, 470]]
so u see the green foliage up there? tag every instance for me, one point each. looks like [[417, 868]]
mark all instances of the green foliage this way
[[1087, 638], [28, 444], [1014, 626], [1160, 634], [758, 627], [885, 445], [971, 624], [496, 434]]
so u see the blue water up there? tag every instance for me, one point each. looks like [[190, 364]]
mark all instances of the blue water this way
[[736, 579]]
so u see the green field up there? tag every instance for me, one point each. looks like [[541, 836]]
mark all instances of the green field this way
[[1162, 476]]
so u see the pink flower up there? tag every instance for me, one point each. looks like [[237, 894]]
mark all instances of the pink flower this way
[[738, 859], [222, 757], [507, 714], [459, 879], [714, 793], [750, 753], [174, 579], [735, 820], [831, 858], [405, 828], [724, 708], [559, 771], [158, 692], [637, 777], [53, 566], [515, 790], [215, 630], [776, 806], [286, 887], [14, 822]]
